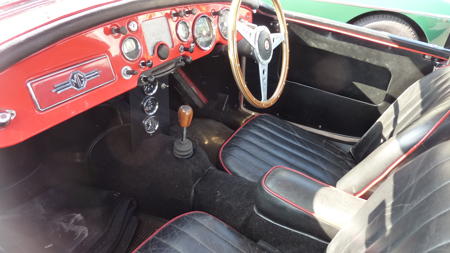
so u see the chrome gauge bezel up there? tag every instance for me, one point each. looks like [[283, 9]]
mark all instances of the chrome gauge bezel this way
[[138, 46], [182, 22], [148, 91], [213, 27], [220, 20], [156, 126], [155, 106]]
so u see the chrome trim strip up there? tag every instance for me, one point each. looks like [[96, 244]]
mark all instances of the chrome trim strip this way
[[67, 85], [33, 95]]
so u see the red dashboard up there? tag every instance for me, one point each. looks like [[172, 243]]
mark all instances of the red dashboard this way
[[86, 69]]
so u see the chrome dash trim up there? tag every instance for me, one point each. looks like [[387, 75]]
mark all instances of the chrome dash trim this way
[[36, 101]]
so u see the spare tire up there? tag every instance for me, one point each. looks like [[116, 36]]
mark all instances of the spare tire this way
[[390, 24]]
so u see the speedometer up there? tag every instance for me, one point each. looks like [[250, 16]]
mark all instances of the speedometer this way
[[223, 22], [204, 32]]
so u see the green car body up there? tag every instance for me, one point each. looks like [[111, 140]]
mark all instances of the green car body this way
[[432, 17]]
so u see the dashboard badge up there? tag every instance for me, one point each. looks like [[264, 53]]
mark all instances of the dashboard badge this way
[[77, 80]]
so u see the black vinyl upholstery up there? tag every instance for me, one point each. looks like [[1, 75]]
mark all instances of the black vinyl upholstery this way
[[300, 202], [197, 232], [408, 212], [266, 141], [419, 116]]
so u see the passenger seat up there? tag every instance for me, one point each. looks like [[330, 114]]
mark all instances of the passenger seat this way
[[408, 212]]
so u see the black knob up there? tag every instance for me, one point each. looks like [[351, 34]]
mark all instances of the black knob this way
[[119, 30], [131, 72], [187, 59], [178, 14], [163, 51], [191, 48], [191, 12], [147, 64], [147, 79]]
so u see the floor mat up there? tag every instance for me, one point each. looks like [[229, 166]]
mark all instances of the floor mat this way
[[147, 225], [70, 219]]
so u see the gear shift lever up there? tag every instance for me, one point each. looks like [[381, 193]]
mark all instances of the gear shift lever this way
[[183, 148]]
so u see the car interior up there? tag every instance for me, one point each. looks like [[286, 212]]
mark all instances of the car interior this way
[[221, 126]]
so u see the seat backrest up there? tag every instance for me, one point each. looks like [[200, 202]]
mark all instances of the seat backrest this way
[[409, 212], [425, 95], [419, 117]]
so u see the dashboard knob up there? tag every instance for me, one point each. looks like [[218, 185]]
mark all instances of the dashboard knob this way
[[131, 72], [191, 12], [6, 116], [163, 51], [147, 79], [178, 14], [191, 48], [147, 64], [119, 30]]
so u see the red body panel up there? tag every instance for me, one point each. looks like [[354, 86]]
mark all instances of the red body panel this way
[[79, 48]]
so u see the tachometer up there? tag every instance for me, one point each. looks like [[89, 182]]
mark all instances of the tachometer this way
[[223, 22], [204, 32], [183, 30], [131, 48]]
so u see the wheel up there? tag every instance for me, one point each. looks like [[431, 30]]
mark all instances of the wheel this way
[[389, 23], [263, 43]]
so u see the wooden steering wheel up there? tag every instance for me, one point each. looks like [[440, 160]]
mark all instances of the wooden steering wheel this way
[[263, 44]]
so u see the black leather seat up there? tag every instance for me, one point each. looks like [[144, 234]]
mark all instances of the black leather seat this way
[[197, 232], [408, 212], [418, 118]]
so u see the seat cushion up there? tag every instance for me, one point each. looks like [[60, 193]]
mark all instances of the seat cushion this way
[[197, 232], [266, 141]]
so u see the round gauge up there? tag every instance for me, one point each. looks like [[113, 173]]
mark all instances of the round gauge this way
[[183, 30], [131, 48], [204, 32], [150, 105], [132, 26], [223, 22], [150, 88], [151, 124]]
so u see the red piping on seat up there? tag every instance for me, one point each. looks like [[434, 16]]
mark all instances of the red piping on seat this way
[[173, 220], [229, 139], [162, 227], [403, 157], [263, 182]]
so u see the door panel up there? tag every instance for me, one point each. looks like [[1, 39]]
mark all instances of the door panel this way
[[341, 79]]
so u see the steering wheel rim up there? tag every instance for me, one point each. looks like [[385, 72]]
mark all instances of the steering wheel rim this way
[[255, 36]]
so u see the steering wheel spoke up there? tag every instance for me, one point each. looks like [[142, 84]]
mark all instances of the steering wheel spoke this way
[[263, 69], [277, 39], [261, 43], [249, 33]]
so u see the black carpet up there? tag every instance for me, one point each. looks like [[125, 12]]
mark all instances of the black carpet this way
[[161, 183], [229, 197], [207, 134]]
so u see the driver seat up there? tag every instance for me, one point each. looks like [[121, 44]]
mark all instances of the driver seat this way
[[417, 119]]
